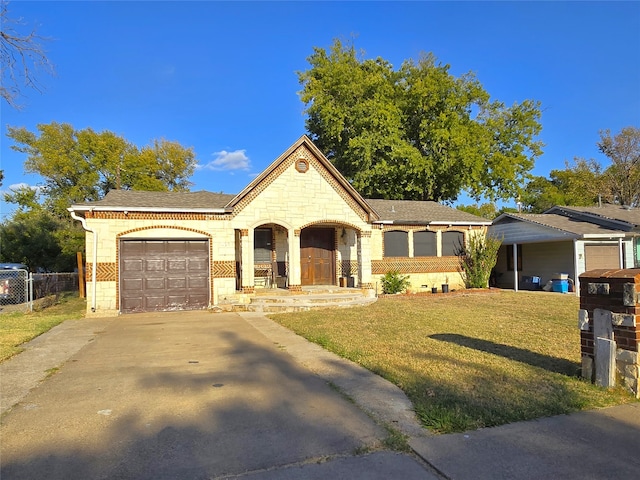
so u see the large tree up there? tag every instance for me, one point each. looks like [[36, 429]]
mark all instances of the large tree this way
[[418, 132], [623, 175], [83, 165], [79, 166]]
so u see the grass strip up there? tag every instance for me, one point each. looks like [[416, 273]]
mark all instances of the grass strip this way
[[17, 328]]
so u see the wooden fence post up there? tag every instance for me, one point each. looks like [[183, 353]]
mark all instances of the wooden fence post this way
[[81, 291]]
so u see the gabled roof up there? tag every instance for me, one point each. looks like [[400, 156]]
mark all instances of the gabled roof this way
[[133, 200], [630, 217], [422, 212], [307, 143], [574, 226]]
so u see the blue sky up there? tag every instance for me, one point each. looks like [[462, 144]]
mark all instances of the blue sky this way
[[221, 76]]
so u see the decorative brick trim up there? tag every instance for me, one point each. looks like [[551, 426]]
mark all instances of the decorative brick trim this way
[[244, 232], [332, 223], [248, 290], [347, 268], [368, 286], [295, 288], [105, 271], [416, 265], [156, 216], [393, 228], [224, 269], [154, 227], [296, 232], [365, 234]]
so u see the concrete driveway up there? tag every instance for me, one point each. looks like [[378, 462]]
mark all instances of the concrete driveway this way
[[189, 395]]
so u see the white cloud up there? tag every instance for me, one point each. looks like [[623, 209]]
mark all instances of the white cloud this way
[[236, 160], [19, 186]]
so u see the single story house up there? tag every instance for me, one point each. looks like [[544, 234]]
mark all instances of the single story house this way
[[568, 240], [299, 223]]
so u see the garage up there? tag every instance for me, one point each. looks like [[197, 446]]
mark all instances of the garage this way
[[601, 256], [161, 275]]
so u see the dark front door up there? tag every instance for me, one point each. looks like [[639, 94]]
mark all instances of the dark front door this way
[[317, 256]]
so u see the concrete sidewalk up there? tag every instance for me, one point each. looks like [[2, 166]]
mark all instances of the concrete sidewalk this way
[[595, 444]]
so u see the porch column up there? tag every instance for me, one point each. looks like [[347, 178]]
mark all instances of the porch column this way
[[515, 267], [295, 280], [246, 241], [621, 253], [576, 270], [364, 260]]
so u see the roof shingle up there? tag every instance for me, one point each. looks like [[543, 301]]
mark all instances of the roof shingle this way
[[422, 212]]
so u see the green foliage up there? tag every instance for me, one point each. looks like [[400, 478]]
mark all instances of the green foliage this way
[[486, 210], [394, 282], [477, 258], [579, 184], [583, 183], [622, 177], [79, 166], [41, 240], [83, 165], [418, 133]]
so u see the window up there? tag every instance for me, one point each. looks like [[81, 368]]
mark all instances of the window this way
[[396, 244], [510, 258], [451, 242], [262, 245], [636, 244], [424, 244]]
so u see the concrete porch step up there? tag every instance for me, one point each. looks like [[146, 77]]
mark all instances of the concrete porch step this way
[[264, 303]]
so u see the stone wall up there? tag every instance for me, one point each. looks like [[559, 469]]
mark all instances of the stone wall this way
[[609, 327]]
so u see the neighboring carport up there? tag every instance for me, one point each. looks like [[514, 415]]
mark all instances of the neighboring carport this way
[[539, 246]]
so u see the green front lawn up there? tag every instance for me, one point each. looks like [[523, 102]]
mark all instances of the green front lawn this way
[[17, 328], [467, 361]]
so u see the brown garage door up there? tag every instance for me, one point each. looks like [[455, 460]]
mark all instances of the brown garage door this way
[[157, 275], [601, 256]]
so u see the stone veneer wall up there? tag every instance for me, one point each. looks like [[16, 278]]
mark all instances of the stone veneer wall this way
[[610, 311]]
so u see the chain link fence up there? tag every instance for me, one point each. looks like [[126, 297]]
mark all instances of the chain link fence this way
[[19, 288], [14, 287]]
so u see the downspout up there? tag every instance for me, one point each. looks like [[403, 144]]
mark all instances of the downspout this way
[[83, 221]]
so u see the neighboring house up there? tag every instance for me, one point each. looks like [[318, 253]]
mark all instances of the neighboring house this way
[[568, 240], [298, 223]]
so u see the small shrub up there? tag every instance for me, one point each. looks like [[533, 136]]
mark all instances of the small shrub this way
[[393, 282], [477, 259]]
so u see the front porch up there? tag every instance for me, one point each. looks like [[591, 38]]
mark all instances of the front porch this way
[[280, 257]]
